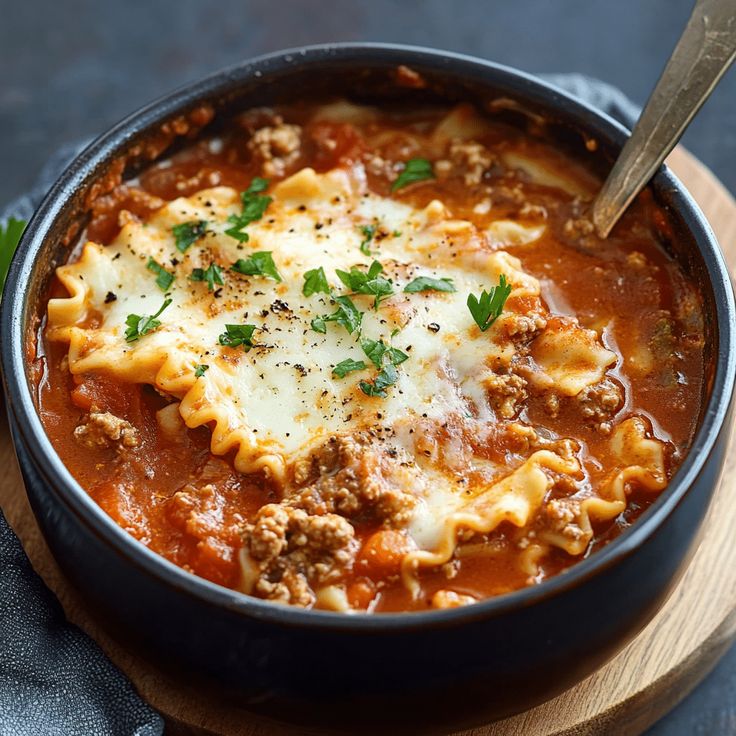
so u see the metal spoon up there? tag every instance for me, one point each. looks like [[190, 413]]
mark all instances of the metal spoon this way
[[704, 52]]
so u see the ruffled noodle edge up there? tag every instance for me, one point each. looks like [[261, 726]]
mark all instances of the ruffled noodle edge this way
[[171, 371], [517, 497]]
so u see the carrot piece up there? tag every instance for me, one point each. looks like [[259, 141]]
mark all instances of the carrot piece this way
[[384, 550]]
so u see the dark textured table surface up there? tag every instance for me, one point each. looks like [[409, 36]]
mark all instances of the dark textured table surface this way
[[70, 68]]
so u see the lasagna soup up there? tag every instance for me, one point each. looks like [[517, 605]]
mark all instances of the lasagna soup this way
[[366, 359]]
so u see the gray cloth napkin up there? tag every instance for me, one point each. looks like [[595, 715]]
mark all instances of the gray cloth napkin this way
[[54, 680]]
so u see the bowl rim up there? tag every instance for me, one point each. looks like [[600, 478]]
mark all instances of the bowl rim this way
[[26, 423]]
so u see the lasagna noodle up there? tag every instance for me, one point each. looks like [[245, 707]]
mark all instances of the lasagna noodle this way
[[518, 497], [640, 463], [514, 499]]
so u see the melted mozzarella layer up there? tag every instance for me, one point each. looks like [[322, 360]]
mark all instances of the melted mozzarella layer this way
[[283, 394]]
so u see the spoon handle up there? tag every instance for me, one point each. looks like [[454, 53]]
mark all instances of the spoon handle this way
[[704, 52]]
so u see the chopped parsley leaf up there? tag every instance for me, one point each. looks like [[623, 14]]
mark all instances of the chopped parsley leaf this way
[[315, 281], [211, 275], [187, 233], [380, 288], [368, 232], [387, 377], [376, 350], [140, 325], [367, 282], [9, 239], [164, 278], [318, 325], [415, 169], [254, 205], [347, 366], [257, 185], [356, 278], [425, 283], [237, 335], [199, 370], [258, 264], [347, 315], [487, 309]]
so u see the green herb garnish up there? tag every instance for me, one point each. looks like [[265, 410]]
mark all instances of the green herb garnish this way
[[387, 377], [376, 350], [199, 370], [315, 281], [425, 283], [211, 275], [141, 325], [318, 325], [164, 278], [415, 169], [488, 308], [368, 232], [347, 315], [9, 239], [254, 205], [188, 233], [356, 278], [258, 264], [237, 335], [367, 282], [347, 366]]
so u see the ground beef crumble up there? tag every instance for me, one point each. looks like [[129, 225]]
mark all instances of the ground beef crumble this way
[[451, 599], [600, 403], [562, 515], [551, 404], [379, 166], [468, 159], [524, 326], [578, 227], [533, 211], [103, 429], [350, 475], [295, 551], [473, 158], [277, 146], [506, 392], [307, 541]]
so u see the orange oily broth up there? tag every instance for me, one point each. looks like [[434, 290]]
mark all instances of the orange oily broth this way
[[624, 288]]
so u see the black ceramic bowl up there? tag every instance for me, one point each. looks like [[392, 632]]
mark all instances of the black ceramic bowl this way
[[424, 672]]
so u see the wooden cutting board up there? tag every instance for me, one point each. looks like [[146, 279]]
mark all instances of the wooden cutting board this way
[[646, 680]]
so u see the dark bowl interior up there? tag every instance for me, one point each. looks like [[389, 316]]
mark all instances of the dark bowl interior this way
[[171, 599]]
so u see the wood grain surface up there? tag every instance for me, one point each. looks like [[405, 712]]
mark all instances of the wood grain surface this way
[[648, 678]]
